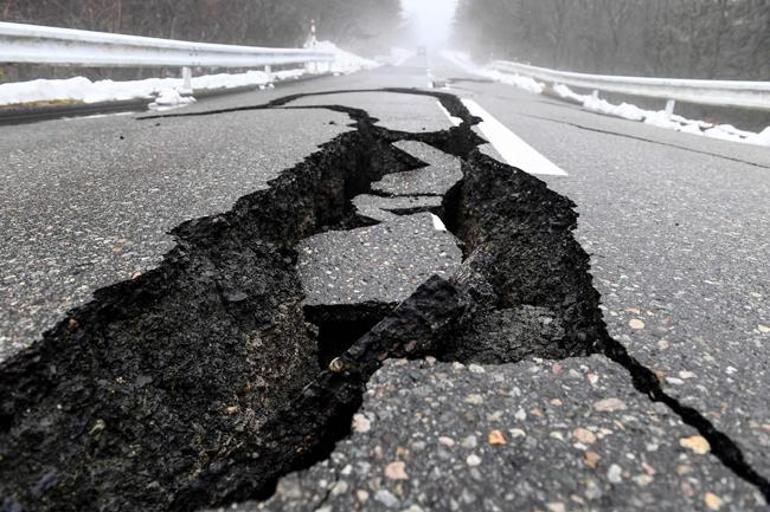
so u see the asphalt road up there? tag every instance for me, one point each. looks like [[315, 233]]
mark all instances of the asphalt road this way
[[677, 226]]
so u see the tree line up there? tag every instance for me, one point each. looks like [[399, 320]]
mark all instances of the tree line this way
[[251, 22], [727, 39]]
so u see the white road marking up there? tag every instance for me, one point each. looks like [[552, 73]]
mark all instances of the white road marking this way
[[455, 120], [513, 149], [438, 224]]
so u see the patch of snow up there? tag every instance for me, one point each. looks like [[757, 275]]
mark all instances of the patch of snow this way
[[624, 110], [170, 98], [762, 138], [344, 62], [568, 94]]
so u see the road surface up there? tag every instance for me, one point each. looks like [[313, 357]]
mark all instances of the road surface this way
[[676, 225]]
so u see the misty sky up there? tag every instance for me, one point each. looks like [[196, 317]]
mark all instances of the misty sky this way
[[432, 19]]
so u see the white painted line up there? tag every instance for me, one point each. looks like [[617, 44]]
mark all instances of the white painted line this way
[[438, 224], [455, 120], [513, 149]]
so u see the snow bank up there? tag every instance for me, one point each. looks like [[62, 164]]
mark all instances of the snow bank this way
[[661, 119], [83, 90]]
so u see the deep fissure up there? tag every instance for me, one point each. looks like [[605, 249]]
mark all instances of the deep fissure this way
[[232, 278]]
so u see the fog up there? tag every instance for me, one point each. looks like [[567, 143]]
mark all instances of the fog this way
[[430, 20]]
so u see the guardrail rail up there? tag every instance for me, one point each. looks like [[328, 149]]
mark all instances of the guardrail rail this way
[[727, 93], [32, 44]]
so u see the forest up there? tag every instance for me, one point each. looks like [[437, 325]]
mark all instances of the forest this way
[[727, 39], [352, 23]]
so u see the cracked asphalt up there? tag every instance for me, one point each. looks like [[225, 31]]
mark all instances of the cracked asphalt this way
[[383, 263], [677, 226]]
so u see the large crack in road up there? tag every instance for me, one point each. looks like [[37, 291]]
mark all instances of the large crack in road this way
[[204, 381]]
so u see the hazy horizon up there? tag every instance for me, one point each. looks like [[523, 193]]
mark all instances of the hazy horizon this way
[[431, 20]]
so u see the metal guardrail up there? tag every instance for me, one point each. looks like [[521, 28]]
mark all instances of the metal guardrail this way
[[32, 44], [728, 93]]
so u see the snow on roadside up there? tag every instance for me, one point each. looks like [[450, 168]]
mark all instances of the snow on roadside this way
[[628, 111], [82, 90], [166, 92], [522, 82], [662, 119], [170, 98], [345, 62]]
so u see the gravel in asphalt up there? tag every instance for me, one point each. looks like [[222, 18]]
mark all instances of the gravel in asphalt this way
[[536, 435]]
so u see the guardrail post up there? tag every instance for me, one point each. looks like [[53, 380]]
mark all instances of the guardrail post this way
[[187, 80], [670, 105]]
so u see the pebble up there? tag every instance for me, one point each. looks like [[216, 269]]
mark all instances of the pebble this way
[[340, 487], [635, 323], [520, 415], [469, 442], [643, 480], [615, 474], [474, 399], [697, 444], [362, 496], [473, 460], [446, 441], [361, 424], [386, 498], [593, 491], [474, 368], [556, 507], [496, 438], [396, 471], [517, 432], [713, 502], [610, 405], [585, 436], [591, 459]]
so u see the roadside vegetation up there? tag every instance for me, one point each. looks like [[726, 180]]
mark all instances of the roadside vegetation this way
[[727, 39]]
